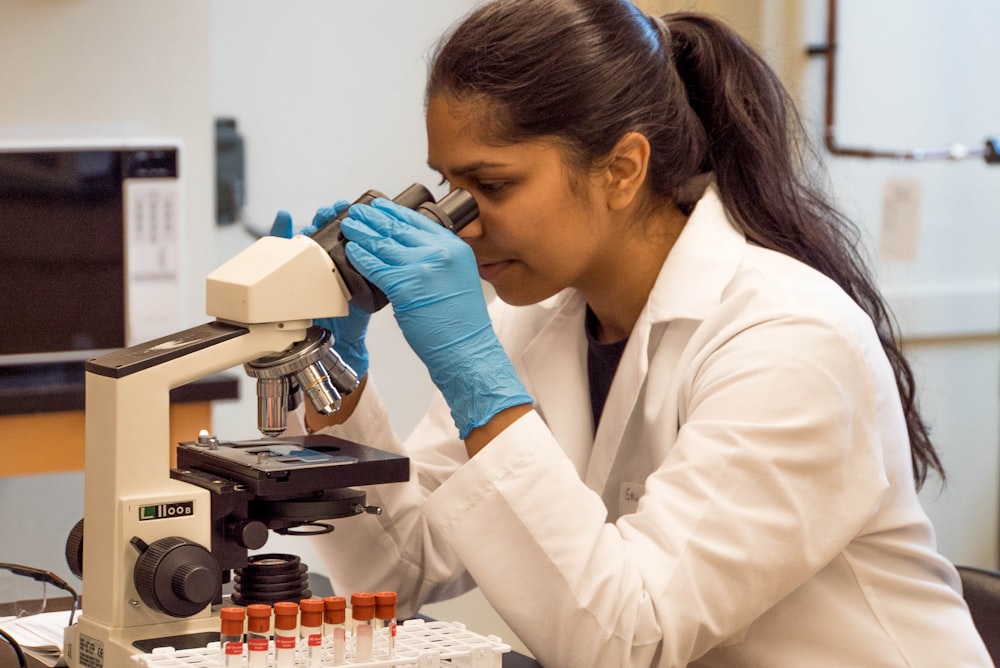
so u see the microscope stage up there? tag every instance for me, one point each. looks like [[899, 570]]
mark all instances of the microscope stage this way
[[292, 466]]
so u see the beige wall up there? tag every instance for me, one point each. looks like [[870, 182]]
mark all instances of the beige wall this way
[[772, 26]]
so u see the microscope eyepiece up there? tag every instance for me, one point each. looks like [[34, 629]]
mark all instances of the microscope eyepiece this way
[[455, 210]]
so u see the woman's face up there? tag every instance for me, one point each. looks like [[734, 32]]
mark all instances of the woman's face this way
[[535, 235]]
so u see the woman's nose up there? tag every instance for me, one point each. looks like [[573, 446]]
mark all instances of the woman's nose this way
[[472, 230]]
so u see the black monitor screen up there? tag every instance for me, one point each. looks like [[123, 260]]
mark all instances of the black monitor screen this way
[[62, 276]]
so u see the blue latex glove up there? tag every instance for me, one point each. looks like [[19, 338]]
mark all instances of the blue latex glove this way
[[429, 275], [348, 331]]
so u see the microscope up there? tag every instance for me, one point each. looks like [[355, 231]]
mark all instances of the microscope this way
[[159, 543]]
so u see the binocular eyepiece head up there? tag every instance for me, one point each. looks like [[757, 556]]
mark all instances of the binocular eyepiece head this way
[[454, 211]]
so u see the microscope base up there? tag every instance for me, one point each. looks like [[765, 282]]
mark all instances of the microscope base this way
[[92, 645]]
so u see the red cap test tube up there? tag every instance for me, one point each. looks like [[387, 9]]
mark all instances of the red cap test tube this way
[[258, 629], [334, 629], [231, 636], [311, 628], [363, 614], [286, 620]]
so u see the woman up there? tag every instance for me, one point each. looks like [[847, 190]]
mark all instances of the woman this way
[[687, 435]]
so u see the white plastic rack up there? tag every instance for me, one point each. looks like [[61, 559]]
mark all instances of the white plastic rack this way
[[419, 644]]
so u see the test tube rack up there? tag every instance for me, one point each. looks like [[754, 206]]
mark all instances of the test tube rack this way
[[419, 644]]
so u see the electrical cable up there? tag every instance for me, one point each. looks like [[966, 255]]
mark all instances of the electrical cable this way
[[251, 228], [46, 577], [21, 660]]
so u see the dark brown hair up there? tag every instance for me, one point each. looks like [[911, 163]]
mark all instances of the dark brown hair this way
[[589, 71]]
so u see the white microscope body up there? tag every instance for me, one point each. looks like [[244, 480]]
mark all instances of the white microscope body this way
[[264, 300], [137, 515]]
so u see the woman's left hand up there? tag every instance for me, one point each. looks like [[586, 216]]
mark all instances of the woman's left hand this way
[[430, 276]]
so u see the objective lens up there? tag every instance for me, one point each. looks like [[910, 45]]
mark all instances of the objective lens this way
[[272, 405], [311, 364]]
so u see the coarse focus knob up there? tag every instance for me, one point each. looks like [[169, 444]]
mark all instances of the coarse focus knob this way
[[74, 550], [176, 576]]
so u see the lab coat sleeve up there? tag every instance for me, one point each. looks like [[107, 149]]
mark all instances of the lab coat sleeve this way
[[395, 551], [775, 468]]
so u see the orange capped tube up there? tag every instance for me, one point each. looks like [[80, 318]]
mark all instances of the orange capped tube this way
[[385, 612], [334, 629], [231, 636], [258, 630], [286, 621], [363, 614], [311, 628]]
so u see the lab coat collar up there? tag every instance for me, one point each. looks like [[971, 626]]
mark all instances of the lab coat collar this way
[[700, 265], [690, 284]]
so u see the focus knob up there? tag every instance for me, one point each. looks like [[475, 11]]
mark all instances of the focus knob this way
[[194, 582], [251, 534], [176, 576], [74, 550]]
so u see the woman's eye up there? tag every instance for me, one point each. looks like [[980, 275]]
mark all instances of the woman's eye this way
[[491, 188], [487, 188]]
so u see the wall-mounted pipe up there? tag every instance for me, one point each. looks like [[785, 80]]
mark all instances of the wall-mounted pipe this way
[[989, 151]]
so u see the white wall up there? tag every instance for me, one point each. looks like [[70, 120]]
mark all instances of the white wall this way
[[913, 75], [113, 69]]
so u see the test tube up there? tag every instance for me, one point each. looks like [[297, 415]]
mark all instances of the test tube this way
[[363, 614], [258, 628], [231, 637], [286, 618], [334, 616], [311, 628], [385, 612]]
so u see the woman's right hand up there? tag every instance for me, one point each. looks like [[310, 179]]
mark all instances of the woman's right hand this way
[[429, 275]]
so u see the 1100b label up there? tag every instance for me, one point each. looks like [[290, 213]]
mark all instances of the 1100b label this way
[[162, 511]]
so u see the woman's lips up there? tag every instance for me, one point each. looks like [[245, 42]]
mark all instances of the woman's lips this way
[[490, 270]]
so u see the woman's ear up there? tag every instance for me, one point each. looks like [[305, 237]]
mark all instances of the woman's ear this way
[[626, 170]]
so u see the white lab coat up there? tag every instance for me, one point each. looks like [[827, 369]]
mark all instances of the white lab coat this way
[[747, 500]]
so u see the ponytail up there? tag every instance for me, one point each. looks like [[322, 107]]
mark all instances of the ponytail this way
[[755, 150]]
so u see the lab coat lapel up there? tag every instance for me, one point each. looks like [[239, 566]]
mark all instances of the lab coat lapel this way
[[689, 285], [628, 383], [555, 369]]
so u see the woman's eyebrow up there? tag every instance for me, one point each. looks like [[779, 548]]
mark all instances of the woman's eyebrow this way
[[469, 168]]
